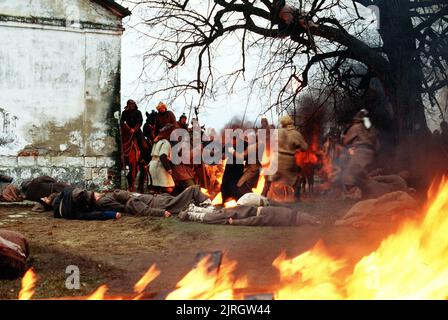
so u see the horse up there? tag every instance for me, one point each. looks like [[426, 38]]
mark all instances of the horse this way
[[137, 160]]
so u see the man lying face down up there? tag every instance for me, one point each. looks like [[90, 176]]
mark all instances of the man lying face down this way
[[255, 212]]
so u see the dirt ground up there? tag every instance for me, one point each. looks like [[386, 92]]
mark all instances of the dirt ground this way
[[117, 253]]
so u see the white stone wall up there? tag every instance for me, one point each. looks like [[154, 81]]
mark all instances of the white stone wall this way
[[59, 89], [83, 171]]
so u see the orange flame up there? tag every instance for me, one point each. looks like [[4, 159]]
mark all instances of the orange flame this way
[[99, 293], [202, 283], [309, 275], [410, 264], [265, 163], [28, 285], [217, 200], [310, 155], [230, 204], [260, 186], [205, 191], [146, 279]]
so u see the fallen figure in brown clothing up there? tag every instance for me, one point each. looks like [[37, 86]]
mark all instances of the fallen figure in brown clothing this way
[[249, 216], [14, 252], [194, 205], [157, 205], [32, 190]]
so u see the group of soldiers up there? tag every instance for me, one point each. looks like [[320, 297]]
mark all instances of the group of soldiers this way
[[191, 203], [348, 155]]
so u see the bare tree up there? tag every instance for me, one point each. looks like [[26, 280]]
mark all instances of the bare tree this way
[[408, 53]]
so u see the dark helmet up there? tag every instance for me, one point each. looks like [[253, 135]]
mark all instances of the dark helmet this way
[[361, 115], [130, 103]]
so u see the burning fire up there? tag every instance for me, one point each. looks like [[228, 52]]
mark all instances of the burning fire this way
[[309, 157], [99, 293], [230, 204], [217, 201], [205, 284], [205, 191], [147, 278], [265, 163], [410, 264], [28, 284], [260, 185]]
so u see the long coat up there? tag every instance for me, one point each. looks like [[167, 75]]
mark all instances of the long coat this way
[[363, 144], [149, 204], [156, 205], [289, 142], [159, 175], [247, 216], [42, 187], [164, 118]]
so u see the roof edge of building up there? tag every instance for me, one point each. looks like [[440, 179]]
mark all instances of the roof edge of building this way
[[114, 7]]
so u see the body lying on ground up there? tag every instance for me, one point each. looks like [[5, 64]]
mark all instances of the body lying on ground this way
[[32, 190], [248, 216], [251, 210], [376, 211], [13, 254], [374, 187], [156, 205], [78, 204], [41, 187]]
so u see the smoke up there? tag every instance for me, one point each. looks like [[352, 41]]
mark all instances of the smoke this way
[[237, 122]]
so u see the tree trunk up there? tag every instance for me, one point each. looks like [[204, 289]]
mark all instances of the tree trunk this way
[[404, 85]]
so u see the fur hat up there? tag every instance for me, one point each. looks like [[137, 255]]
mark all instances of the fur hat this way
[[160, 106], [286, 121]]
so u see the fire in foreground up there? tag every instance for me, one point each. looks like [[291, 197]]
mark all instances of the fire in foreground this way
[[409, 264]]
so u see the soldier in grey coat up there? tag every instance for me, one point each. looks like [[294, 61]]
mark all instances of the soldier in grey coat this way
[[157, 205], [249, 216]]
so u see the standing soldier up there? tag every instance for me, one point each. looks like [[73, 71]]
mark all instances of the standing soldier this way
[[290, 140], [164, 117], [161, 167], [252, 167], [182, 123], [132, 120], [361, 141]]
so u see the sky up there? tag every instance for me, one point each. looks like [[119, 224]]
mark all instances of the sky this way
[[220, 110], [217, 112]]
